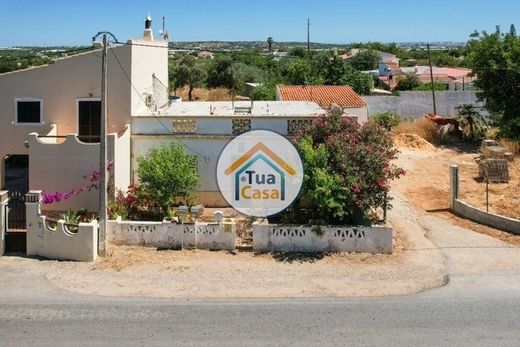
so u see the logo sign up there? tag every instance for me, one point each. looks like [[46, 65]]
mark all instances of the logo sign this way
[[260, 173]]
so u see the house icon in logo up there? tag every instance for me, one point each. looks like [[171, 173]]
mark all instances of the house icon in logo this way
[[266, 185]]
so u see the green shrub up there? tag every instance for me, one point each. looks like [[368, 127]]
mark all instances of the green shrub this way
[[347, 172], [408, 81], [472, 123], [135, 205], [168, 174], [266, 92], [387, 120]]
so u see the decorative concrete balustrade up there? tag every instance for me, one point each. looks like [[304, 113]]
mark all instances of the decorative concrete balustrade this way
[[169, 235], [315, 239], [58, 240]]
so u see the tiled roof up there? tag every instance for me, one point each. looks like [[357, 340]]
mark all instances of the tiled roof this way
[[325, 96]]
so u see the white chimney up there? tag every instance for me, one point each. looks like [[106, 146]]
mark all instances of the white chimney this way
[[148, 32]]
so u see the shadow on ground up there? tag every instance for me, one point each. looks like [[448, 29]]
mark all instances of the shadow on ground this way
[[298, 257]]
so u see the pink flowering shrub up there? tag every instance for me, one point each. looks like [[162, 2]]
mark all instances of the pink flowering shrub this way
[[92, 182], [347, 171]]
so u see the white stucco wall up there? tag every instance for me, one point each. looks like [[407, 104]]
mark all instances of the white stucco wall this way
[[59, 243], [120, 157], [361, 112], [209, 147], [60, 85], [62, 166], [148, 58]]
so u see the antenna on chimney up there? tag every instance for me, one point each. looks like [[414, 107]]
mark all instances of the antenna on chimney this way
[[163, 32]]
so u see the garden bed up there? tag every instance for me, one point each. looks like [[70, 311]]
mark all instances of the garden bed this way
[[314, 239]]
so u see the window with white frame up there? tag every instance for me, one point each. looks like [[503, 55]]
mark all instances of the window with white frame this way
[[28, 111]]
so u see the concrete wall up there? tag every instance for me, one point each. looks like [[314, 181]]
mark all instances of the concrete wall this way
[[209, 146], [119, 151], [58, 243], [477, 215], [148, 58], [418, 104], [361, 112], [173, 236], [293, 238], [63, 166]]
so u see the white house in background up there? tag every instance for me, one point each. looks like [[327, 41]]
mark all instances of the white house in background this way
[[205, 128], [327, 96], [55, 100]]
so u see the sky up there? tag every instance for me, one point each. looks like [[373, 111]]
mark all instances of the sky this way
[[74, 22]]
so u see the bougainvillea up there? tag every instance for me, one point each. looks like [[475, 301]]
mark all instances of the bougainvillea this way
[[347, 170], [91, 182]]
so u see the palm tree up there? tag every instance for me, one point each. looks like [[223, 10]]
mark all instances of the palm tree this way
[[270, 42], [472, 119]]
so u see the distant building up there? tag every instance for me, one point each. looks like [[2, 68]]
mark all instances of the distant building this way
[[455, 78], [383, 56], [327, 96], [206, 55]]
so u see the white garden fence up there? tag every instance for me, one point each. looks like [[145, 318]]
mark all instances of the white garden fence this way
[[169, 235], [293, 238]]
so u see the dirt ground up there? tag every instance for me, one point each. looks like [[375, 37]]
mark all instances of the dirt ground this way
[[426, 185], [206, 94], [417, 263]]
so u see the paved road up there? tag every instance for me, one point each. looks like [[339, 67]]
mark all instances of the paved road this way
[[470, 310]]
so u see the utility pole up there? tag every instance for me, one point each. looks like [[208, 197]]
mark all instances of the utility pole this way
[[308, 38], [102, 245], [431, 77]]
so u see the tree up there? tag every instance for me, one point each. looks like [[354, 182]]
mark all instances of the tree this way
[[220, 73], [168, 173], [409, 81], [266, 91], [365, 60], [335, 73], [360, 82], [472, 123], [299, 52], [298, 72], [495, 62], [243, 73], [188, 73], [347, 171], [270, 43], [338, 73]]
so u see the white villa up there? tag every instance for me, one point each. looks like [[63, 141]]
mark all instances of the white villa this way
[[50, 115]]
